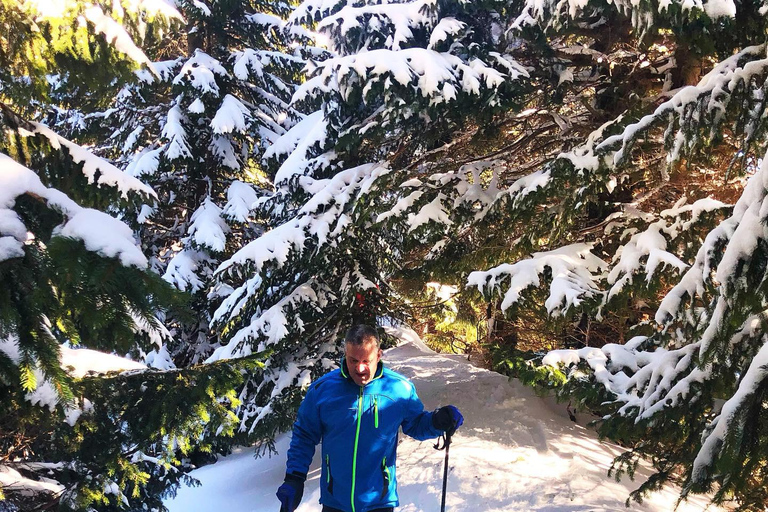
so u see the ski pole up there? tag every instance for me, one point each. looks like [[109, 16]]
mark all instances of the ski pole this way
[[445, 469]]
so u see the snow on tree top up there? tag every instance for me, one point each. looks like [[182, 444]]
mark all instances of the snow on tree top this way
[[268, 20], [404, 18], [311, 131], [231, 116], [240, 200], [574, 272], [116, 34], [182, 270], [321, 218], [164, 70], [446, 27], [272, 324], [145, 162], [435, 75], [207, 228], [554, 12], [650, 243], [176, 134], [200, 71]]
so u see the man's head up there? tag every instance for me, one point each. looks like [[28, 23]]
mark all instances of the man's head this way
[[362, 353]]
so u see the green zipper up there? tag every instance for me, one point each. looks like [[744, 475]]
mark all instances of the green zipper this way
[[357, 438], [375, 413]]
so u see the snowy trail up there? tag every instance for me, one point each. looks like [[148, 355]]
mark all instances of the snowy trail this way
[[515, 452]]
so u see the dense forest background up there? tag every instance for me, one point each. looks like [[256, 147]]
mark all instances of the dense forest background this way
[[572, 193]]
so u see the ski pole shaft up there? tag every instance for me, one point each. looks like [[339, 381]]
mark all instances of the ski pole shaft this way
[[445, 471]]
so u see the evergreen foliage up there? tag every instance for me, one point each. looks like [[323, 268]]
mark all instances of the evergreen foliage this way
[[585, 188], [401, 77], [578, 184], [679, 268], [73, 279], [196, 133]]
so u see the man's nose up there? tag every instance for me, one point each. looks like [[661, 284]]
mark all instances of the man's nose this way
[[361, 367]]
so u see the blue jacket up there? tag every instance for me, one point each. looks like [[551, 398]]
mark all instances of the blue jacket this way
[[358, 427]]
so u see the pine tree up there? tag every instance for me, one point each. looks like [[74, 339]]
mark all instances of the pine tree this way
[[630, 237], [400, 78], [73, 279], [195, 133]]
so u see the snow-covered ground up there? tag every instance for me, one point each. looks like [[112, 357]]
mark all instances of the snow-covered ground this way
[[515, 452]]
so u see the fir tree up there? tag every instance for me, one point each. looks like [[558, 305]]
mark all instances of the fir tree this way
[[632, 239], [73, 279], [195, 132], [400, 78]]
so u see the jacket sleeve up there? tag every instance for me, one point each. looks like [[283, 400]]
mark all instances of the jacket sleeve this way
[[307, 432], [417, 422]]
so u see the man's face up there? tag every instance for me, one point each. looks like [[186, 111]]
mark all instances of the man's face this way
[[362, 361]]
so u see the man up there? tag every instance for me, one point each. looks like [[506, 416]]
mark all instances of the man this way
[[356, 412]]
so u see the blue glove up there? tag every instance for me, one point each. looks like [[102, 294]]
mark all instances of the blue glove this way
[[448, 419], [290, 493]]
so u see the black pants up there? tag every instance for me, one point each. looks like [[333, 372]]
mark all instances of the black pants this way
[[329, 509]]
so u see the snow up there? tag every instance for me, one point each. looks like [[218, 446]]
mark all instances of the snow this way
[[445, 28], [730, 419], [725, 76], [322, 217], [402, 205], [208, 228], [240, 200], [429, 71], [231, 116], [221, 146], [553, 12], [81, 362], [528, 184], [197, 106], [430, 212], [267, 20], [78, 363], [130, 141], [145, 162], [115, 34], [400, 18], [12, 480], [273, 323], [99, 232], [176, 134], [164, 69], [182, 270], [309, 133], [720, 9], [200, 71], [10, 248], [96, 169], [649, 243], [516, 452], [574, 271], [105, 235]]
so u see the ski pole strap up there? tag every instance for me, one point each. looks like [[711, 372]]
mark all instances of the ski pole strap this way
[[446, 438]]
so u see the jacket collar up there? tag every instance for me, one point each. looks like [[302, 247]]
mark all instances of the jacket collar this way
[[345, 371]]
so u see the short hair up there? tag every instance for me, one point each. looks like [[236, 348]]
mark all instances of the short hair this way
[[361, 334]]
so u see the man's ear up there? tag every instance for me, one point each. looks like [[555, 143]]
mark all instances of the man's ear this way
[[381, 353]]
